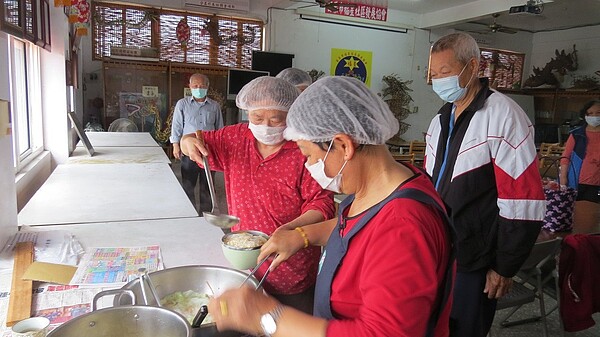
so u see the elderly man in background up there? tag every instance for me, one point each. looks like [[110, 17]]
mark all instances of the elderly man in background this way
[[297, 77], [482, 158], [197, 112]]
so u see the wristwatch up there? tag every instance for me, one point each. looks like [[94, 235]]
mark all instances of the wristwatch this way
[[268, 321]]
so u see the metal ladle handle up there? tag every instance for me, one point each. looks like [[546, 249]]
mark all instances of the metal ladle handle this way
[[144, 279], [209, 179], [211, 186]]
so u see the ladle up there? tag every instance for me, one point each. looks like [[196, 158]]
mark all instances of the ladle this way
[[215, 217], [144, 280]]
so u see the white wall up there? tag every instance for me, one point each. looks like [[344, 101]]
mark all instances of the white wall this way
[[405, 55], [54, 90], [8, 194]]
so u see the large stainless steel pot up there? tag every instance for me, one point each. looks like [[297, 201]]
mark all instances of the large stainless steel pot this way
[[125, 321], [200, 278]]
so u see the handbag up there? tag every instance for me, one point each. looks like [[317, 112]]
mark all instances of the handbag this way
[[560, 203]]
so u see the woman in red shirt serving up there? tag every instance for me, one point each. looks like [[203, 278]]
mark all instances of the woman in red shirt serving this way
[[266, 182], [387, 266]]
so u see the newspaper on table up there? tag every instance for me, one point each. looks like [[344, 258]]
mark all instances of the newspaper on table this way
[[100, 269], [106, 266], [59, 303]]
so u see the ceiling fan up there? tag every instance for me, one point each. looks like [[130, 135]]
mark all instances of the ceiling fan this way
[[331, 5], [495, 27]]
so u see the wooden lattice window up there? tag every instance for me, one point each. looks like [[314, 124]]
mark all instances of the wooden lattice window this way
[[503, 68], [26, 19], [213, 39]]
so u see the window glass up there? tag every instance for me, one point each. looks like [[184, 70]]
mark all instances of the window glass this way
[[26, 100]]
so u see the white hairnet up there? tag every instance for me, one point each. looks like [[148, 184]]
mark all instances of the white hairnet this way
[[266, 93], [295, 76], [340, 104]]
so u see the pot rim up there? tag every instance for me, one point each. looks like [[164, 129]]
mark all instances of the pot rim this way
[[73, 321]]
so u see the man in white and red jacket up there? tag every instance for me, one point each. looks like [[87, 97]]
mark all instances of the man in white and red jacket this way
[[482, 158]]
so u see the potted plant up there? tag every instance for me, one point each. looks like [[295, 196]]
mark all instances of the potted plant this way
[[315, 74], [396, 95]]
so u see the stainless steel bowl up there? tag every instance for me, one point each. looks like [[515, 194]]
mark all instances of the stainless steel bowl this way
[[196, 278]]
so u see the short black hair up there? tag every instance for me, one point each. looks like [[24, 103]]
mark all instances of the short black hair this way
[[586, 106]]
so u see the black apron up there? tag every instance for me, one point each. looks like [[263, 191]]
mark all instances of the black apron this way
[[337, 247]]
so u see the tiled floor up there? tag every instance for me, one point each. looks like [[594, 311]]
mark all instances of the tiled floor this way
[[536, 329], [524, 330]]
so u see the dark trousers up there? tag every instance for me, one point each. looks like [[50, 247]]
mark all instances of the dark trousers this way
[[303, 301], [190, 174], [588, 193], [472, 312]]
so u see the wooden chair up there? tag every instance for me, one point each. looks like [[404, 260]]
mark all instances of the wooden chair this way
[[545, 148], [552, 153], [405, 158], [417, 148]]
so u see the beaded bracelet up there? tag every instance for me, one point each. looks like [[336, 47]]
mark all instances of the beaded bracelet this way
[[304, 236]]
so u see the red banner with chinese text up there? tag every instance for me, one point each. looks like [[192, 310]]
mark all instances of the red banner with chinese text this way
[[362, 11]]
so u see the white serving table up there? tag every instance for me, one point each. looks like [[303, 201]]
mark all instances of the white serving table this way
[[184, 241], [107, 193], [102, 139], [119, 155]]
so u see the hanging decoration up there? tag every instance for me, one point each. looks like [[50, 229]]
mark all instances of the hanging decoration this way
[[78, 12], [183, 33], [79, 16]]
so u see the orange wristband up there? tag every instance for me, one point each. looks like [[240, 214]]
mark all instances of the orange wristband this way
[[304, 236]]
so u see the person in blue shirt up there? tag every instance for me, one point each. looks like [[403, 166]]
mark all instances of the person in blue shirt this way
[[197, 112]]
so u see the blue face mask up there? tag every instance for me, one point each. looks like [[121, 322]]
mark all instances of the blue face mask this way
[[199, 93], [448, 88]]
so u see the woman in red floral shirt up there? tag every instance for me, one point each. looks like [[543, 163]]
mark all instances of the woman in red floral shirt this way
[[266, 182]]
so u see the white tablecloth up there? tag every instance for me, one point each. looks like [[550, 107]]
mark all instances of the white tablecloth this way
[[107, 193]]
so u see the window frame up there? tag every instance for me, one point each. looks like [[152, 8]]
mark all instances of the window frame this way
[[213, 46], [39, 32], [497, 75], [29, 121]]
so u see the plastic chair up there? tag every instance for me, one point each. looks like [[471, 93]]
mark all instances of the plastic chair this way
[[529, 283]]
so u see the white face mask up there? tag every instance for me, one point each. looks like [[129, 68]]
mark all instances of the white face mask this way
[[448, 88], [268, 135], [317, 171], [592, 120]]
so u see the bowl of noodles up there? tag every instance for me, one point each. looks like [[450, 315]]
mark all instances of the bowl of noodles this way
[[241, 248]]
